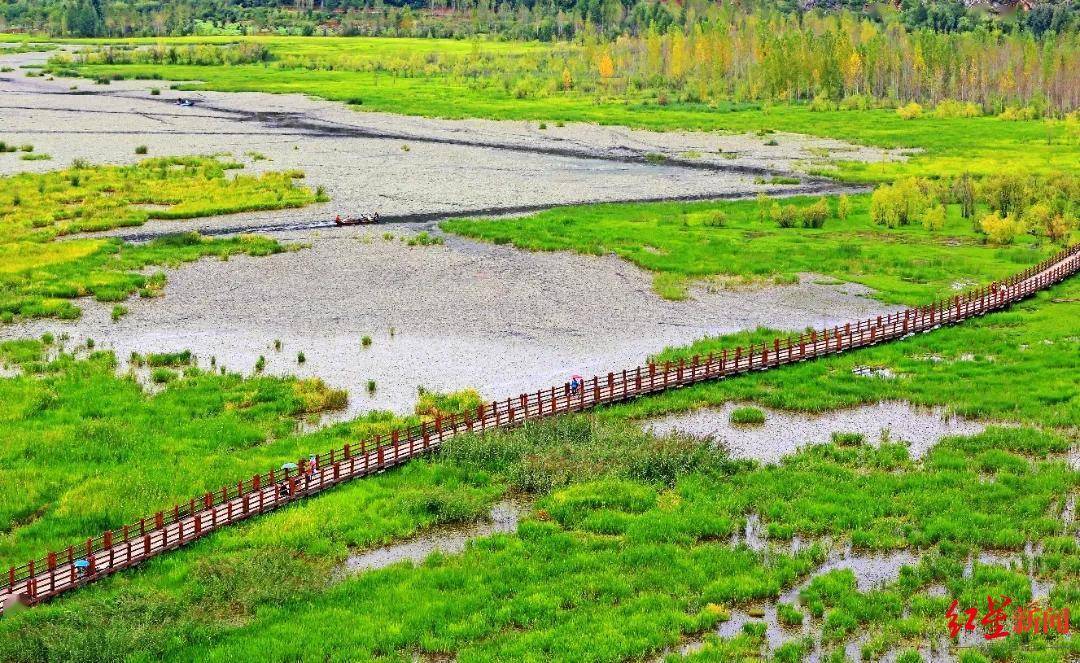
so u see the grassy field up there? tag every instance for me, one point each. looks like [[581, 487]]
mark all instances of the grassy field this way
[[459, 79], [40, 277], [680, 242]]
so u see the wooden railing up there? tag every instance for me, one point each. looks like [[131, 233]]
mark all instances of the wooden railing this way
[[60, 571]]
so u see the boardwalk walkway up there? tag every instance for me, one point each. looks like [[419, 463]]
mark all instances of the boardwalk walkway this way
[[60, 571]]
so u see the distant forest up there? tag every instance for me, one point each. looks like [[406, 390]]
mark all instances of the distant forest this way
[[545, 20]]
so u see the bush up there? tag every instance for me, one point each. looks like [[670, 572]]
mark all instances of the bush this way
[[898, 204], [912, 111], [1016, 113], [300, 358], [814, 215], [1001, 230], [843, 207], [365, 341], [763, 206], [260, 364], [934, 218], [786, 216], [371, 386], [822, 103], [142, 149], [747, 415], [951, 108]]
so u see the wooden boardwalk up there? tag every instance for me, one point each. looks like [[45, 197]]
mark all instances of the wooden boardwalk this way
[[60, 571]]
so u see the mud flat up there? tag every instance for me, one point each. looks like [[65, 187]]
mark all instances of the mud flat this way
[[445, 317], [784, 433]]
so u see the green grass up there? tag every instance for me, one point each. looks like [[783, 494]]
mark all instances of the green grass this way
[[625, 552], [680, 241], [481, 80], [39, 277], [747, 416]]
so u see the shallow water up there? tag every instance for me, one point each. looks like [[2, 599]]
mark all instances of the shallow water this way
[[502, 519], [784, 433]]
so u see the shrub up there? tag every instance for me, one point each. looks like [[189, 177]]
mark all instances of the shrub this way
[[822, 103], [747, 415], [763, 206], [260, 364], [911, 111], [898, 204], [371, 386], [951, 108], [300, 358], [814, 215], [856, 102], [365, 341], [26, 148], [277, 344], [1001, 230], [843, 207], [786, 216], [155, 91], [1016, 113], [142, 149], [934, 218]]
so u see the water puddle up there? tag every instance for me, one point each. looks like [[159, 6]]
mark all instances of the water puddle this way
[[502, 519], [784, 433]]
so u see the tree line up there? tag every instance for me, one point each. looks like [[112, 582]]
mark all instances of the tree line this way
[[545, 20]]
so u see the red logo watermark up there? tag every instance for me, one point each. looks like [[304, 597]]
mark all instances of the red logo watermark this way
[[1031, 618]]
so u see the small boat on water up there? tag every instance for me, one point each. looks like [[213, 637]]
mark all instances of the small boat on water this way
[[363, 219]]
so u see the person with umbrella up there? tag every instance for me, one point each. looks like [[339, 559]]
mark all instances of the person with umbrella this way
[[286, 467]]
